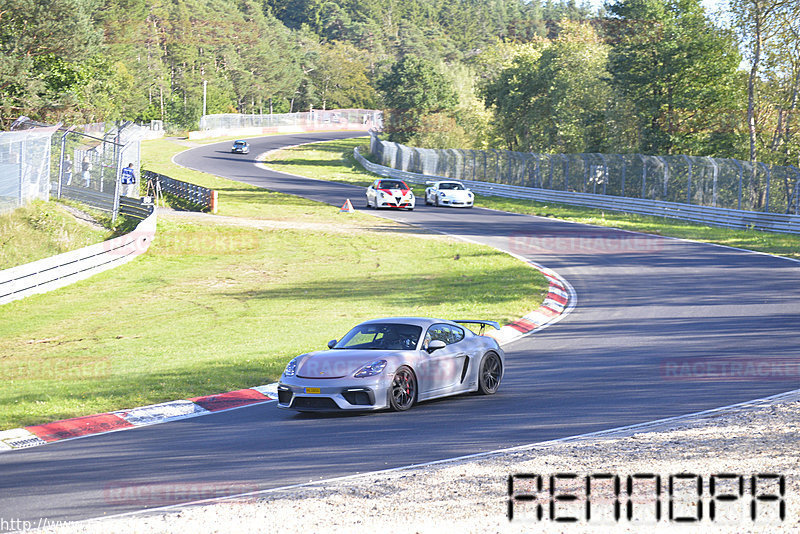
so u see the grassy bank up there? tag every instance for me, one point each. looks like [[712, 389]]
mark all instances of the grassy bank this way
[[218, 304], [310, 160], [43, 229]]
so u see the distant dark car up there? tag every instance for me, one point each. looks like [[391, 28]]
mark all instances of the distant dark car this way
[[240, 147]]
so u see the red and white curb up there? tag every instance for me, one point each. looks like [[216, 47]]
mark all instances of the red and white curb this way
[[79, 427], [559, 301]]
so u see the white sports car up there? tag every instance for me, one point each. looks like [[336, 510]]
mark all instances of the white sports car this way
[[390, 193], [393, 363], [448, 193]]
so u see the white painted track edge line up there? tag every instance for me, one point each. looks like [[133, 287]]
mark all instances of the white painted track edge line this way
[[542, 444]]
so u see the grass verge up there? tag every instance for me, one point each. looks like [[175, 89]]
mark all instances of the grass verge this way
[[309, 160], [219, 304], [43, 229]]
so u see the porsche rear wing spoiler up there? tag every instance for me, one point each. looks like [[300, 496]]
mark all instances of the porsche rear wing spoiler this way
[[483, 324]]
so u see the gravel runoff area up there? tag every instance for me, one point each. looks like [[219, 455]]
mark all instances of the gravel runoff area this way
[[471, 494]]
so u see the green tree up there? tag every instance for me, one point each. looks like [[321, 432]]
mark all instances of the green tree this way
[[46, 48], [767, 27], [678, 70], [413, 89], [340, 77], [512, 95], [573, 91], [554, 98]]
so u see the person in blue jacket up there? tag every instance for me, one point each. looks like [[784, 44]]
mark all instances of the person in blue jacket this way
[[128, 181], [128, 176]]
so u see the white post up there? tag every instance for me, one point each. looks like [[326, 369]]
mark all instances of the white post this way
[[205, 85]]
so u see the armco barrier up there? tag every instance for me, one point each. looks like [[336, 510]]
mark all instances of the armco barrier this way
[[771, 222], [132, 207], [196, 194], [59, 271]]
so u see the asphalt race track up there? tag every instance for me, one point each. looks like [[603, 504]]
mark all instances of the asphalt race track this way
[[644, 304]]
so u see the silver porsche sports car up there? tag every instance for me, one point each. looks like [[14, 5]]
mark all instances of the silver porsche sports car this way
[[393, 363]]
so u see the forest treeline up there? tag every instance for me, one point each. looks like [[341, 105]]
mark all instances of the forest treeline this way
[[651, 76]]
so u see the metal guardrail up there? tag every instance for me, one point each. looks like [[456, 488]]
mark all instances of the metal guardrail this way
[[64, 269], [96, 199], [132, 207], [772, 222], [135, 208], [196, 194]]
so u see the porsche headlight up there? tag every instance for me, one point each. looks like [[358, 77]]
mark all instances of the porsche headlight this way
[[371, 369], [291, 368]]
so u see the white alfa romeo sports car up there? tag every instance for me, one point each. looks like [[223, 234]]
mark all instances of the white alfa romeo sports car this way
[[449, 193], [393, 363], [390, 193]]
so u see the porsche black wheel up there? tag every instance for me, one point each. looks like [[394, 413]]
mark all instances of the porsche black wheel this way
[[489, 374], [403, 392]]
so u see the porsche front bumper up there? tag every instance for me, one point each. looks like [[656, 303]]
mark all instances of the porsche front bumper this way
[[332, 395]]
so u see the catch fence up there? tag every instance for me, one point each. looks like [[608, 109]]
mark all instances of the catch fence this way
[[83, 163], [24, 165], [90, 163], [345, 119], [693, 180]]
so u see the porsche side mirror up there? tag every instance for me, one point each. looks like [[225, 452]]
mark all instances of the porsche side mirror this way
[[332, 343], [436, 344]]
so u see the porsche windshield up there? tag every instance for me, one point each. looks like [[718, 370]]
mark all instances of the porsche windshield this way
[[450, 185], [381, 336]]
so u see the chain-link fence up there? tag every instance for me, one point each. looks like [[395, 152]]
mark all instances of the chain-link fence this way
[[84, 163], [343, 118], [701, 181], [90, 160], [24, 164], [91, 157]]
